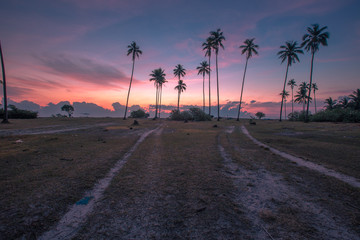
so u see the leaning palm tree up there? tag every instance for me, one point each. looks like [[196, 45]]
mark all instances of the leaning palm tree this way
[[315, 88], [5, 119], [203, 69], [284, 94], [158, 76], [179, 71], [216, 38], [330, 103], [290, 53], [292, 84], [355, 99], [311, 42], [207, 47], [180, 88], [135, 52], [249, 48]]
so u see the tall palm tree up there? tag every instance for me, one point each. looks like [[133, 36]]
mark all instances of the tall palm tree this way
[[161, 83], [249, 48], [315, 88], [5, 119], [135, 52], [290, 53], [207, 47], [314, 37], [180, 88], [292, 84], [330, 103], [284, 94], [158, 76], [355, 98], [203, 69], [216, 38], [179, 71]]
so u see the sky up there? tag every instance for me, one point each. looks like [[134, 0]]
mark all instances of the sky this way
[[75, 51]]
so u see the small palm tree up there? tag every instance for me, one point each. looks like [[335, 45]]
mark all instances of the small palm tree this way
[[135, 52], [315, 88], [158, 76], [179, 71], [344, 102], [314, 37], [180, 88], [203, 69], [249, 48], [216, 38], [284, 94], [6, 118], [301, 96], [290, 53], [355, 99], [207, 47], [292, 84], [330, 103]]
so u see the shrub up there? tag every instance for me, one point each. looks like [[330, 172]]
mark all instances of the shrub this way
[[337, 115], [260, 115], [16, 113], [199, 115], [139, 114], [297, 116], [194, 114]]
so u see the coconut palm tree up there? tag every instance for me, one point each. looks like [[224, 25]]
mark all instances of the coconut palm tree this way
[[292, 84], [180, 88], [158, 76], [179, 71], [344, 102], [216, 38], [284, 94], [5, 119], [135, 52], [330, 103], [315, 88], [207, 47], [290, 53], [301, 96], [249, 48], [203, 69], [355, 99], [161, 83], [314, 37]]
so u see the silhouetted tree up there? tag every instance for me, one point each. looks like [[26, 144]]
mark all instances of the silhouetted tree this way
[[68, 108], [207, 47], [203, 69], [180, 88], [284, 94], [344, 102], [6, 114], [292, 84], [216, 38], [355, 99], [301, 96], [249, 48], [135, 52], [314, 37], [158, 76], [260, 115], [330, 103], [315, 88], [290, 53], [179, 71]]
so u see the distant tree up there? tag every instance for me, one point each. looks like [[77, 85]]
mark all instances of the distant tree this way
[[355, 99], [249, 48], [315, 88], [139, 114], [203, 69], [292, 84], [68, 108], [179, 71], [6, 114], [181, 87], [158, 76], [284, 95], [301, 96], [216, 38], [289, 53], [330, 103], [135, 52], [260, 115], [314, 37], [207, 47]]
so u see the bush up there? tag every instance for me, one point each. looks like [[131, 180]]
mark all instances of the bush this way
[[297, 116], [337, 115], [15, 113], [139, 114], [194, 114]]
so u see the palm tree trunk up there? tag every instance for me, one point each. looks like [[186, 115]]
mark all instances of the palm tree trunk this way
[[311, 73], [242, 88], [156, 102], [204, 92], [5, 119], [292, 100], [209, 86], [217, 82], [315, 100], [160, 100], [285, 109], [127, 100], [179, 100], [282, 98]]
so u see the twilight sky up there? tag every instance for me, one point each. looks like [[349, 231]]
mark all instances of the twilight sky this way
[[75, 50]]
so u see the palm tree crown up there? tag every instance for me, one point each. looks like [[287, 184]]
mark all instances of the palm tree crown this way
[[292, 83], [249, 48], [134, 50], [215, 40], [181, 87], [179, 71], [290, 52], [315, 37], [203, 69], [355, 98], [158, 76]]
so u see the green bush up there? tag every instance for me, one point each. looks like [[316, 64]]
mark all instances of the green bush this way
[[199, 115], [337, 115], [139, 114], [15, 113], [194, 114]]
